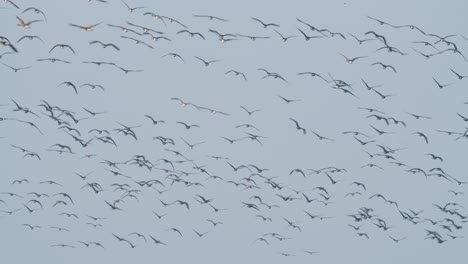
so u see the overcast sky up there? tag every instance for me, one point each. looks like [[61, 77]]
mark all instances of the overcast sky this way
[[127, 98]]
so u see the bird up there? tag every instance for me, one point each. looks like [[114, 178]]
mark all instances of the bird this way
[[31, 227], [380, 132], [157, 241], [192, 145], [12, 3], [370, 87], [105, 45], [200, 234], [422, 135], [261, 239], [26, 25], [191, 34], [383, 96], [434, 157], [137, 41], [441, 86], [7, 43], [62, 46], [70, 84], [250, 112], [265, 25], [237, 73], [384, 66], [363, 143], [175, 55], [283, 37], [154, 121], [15, 69], [172, 20], [176, 230], [186, 125], [396, 240], [351, 61], [206, 63], [289, 100], [363, 235], [298, 127], [321, 137], [297, 171], [418, 116], [85, 28], [28, 37], [463, 117], [132, 9], [138, 235], [35, 10], [211, 17], [427, 56], [460, 77], [360, 41], [307, 37], [253, 38]]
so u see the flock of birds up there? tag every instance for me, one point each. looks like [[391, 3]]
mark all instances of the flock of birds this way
[[187, 168]]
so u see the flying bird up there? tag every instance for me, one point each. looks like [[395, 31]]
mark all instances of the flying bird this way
[[85, 28]]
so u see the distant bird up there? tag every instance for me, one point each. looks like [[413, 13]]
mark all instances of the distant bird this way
[[15, 69], [29, 38], [370, 87], [297, 171], [206, 63], [12, 3], [154, 121], [105, 45], [85, 28], [132, 9], [156, 241], [7, 43], [175, 55], [192, 145], [70, 84], [418, 116], [321, 137], [298, 127], [283, 37], [237, 73], [363, 143], [211, 17], [363, 235], [191, 34], [384, 66], [265, 25], [360, 41], [422, 135], [35, 10], [460, 77], [350, 61], [289, 100], [383, 96], [441, 86], [26, 25], [396, 240], [63, 46], [186, 125], [307, 37], [434, 157], [250, 112], [463, 117], [199, 234]]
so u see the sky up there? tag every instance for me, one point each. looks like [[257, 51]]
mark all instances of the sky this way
[[319, 108]]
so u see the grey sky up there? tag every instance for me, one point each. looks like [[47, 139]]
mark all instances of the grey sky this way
[[328, 112]]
